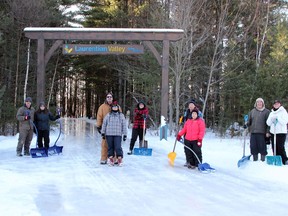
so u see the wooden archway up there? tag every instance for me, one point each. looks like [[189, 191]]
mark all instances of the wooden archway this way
[[104, 34]]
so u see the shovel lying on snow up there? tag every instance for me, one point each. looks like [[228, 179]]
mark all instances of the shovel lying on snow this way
[[244, 158], [37, 152], [56, 149], [275, 159]]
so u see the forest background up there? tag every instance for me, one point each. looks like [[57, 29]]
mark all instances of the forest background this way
[[232, 52]]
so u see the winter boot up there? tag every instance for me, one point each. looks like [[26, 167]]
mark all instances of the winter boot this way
[[129, 152], [141, 144], [263, 158], [111, 161], [255, 157], [120, 161]]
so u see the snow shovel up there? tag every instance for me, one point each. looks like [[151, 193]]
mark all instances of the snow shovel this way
[[144, 151], [56, 149], [172, 155], [244, 158], [202, 167], [37, 152], [275, 159]]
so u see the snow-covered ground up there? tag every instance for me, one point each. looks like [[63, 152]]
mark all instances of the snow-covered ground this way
[[74, 183]]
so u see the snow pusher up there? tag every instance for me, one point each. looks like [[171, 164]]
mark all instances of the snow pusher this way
[[37, 152], [202, 167], [143, 146], [55, 149], [172, 155], [244, 158], [275, 159]]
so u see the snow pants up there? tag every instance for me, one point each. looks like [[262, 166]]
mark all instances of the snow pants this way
[[25, 137], [190, 157], [135, 133], [43, 134], [104, 150], [258, 144], [280, 146], [114, 146]]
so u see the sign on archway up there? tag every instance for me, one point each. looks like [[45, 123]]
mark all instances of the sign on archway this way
[[104, 34]]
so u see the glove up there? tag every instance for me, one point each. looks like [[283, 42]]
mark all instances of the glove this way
[[27, 117], [103, 136], [274, 120], [178, 137], [245, 126], [199, 143], [57, 116], [144, 116], [99, 129], [124, 138]]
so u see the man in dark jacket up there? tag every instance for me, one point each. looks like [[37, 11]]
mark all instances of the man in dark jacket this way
[[25, 116], [140, 114]]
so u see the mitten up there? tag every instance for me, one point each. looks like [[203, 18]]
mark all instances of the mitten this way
[[27, 117], [124, 138], [57, 116], [199, 143], [245, 126], [103, 136], [144, 116], [178, 137], [99, 129]]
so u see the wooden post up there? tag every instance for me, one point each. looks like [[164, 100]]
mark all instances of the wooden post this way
[[40, 71], [165, 80]]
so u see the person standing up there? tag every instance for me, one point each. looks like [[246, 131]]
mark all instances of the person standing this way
[[41, 119], [140, 114], [113, 127], [25, 116], [103, 110], [188, 113], [278, 120], [259, 130], [193, 131]]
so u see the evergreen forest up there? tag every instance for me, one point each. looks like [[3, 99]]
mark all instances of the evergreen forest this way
[[232, 52]]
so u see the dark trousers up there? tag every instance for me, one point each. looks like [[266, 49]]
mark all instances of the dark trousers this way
[[135, 133], [190, 156], [114, 146], [280, 146], [258, 144], [43, 134]]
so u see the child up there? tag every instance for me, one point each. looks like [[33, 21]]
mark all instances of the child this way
[[113, 127], [194, 130]]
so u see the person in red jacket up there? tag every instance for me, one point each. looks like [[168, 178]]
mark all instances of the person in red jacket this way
[[140, 114], [194, 130]]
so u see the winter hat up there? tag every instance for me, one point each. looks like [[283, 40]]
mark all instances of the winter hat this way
[[277, 101], [115, 104], [192, 101], [196, 111], [41, 104], [140, 102], [28, 99]]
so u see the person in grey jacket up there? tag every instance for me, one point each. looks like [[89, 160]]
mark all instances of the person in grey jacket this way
[[113, 127], [25, 116], [258, 129], [278, 120]]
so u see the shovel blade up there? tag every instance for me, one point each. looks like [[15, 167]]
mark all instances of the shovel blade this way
[[243, 160], [143, 151], [55, 150], [172, 156], [38, 152], [274, 160]]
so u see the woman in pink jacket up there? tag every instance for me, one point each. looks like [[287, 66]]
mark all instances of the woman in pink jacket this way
[[194, 130]]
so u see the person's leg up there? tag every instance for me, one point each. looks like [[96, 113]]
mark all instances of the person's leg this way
[[46, 138], [28, 142], [40, 138], [253, 147], [21, 141], [104, 151], [133, 140], [280, 148]]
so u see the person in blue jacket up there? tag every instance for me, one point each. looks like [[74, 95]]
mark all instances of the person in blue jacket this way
[[41, 120]]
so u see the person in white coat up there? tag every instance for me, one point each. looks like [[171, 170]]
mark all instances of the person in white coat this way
[[278, 120]]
